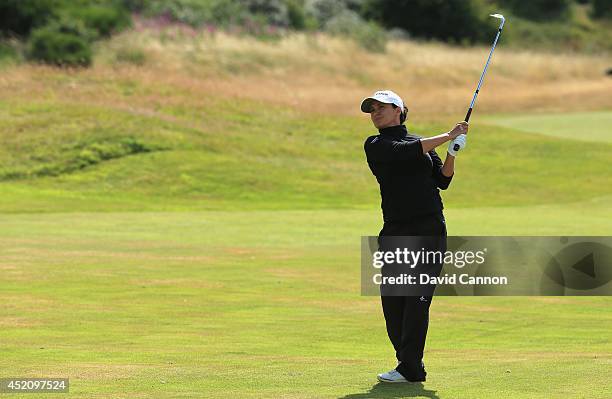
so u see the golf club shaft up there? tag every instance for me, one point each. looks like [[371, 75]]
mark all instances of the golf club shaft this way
[[484, 72]]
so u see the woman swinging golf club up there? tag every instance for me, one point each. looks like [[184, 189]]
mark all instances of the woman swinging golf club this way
[[410, 174]]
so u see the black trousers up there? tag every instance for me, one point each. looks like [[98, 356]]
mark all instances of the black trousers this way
[[407, 317]]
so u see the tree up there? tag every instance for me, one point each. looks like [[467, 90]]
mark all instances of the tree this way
[[21, 16], [538, 10], [602, 9], [454, 20]]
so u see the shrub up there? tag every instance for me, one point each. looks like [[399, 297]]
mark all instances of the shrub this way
[[371, 37], [136, 5], [450, 20], [198, 13], [344, 23], [102, 19], [368, 34], [296, 15], [8, 52], [21, 16], [538, 10], [324, 10], [61, 43], [602, 9], [275, 12]]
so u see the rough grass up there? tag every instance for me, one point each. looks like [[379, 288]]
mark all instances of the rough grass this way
[[127, 139], [60, 156], [433, 78]]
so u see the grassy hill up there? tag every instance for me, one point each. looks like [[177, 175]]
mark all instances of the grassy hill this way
[[218, 122]]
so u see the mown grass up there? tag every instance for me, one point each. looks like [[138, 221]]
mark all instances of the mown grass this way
[[264, 304], [582, 126], [209, 246]]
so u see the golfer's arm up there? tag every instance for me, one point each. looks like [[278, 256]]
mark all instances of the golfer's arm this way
[[448, 169], [430, 143]]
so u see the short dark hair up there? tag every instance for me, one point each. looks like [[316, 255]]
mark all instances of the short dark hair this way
[[403, 114]]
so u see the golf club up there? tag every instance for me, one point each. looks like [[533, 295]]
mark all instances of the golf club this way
[[484, 72]]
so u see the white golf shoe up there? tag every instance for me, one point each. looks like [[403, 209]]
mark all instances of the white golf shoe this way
[[391, 376]]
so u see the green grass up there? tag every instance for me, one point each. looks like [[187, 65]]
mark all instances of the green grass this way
[[60, 156], [581, 126], [160, 242], [250, 304]]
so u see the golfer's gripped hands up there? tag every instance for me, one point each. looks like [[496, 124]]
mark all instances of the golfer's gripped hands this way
[[460, 128]]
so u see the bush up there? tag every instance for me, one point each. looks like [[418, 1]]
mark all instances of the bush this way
[[449, 20], [296, 15], [324, 10], [102, 19], [198, 13], [344, 23], [371, 37], [8, 52], [368, 34], [21, 16], [275, 12], [136, 5], [61, 43], [226, 13], [538, 10], [602, 9]]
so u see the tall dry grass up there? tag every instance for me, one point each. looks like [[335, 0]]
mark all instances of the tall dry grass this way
[[318, 73]]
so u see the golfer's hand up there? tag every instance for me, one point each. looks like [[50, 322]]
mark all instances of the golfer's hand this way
[[460, 128], [461, 141]]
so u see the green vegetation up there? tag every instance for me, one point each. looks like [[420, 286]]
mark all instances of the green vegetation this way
[[455, 21], [179, 305], [602, 9], [60, 43], [183, 218], [271, 158], [8, 52], [538, 10], [62, 32], [581, 126]]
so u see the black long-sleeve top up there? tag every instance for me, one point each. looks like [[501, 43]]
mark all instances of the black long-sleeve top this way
[[409, 180]]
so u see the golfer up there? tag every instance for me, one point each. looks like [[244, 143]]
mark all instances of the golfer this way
[[410, 175]]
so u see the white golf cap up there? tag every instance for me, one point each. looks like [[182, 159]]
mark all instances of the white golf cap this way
[[384, 96]]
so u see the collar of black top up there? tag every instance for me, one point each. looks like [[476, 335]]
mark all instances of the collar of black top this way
[[398, 131]]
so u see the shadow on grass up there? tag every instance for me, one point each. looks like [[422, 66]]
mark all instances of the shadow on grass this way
[[390, 391]]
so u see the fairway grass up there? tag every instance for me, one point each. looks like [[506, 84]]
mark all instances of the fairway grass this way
[[581, 126], [266, 304]]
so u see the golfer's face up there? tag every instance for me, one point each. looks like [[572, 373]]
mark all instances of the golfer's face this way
[[383, 115]]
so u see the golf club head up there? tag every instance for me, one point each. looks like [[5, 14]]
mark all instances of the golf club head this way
[[499, 16]]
